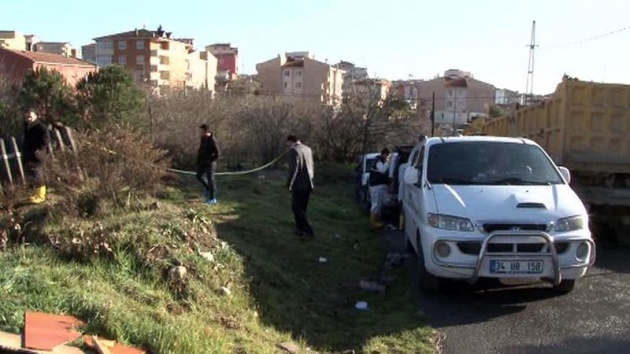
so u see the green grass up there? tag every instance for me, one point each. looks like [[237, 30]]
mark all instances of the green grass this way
[[280, 292]]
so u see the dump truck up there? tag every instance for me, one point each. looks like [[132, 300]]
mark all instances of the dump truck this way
[[585, 127]]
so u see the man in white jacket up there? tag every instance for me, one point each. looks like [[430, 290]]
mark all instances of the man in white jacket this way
[[379, 179]]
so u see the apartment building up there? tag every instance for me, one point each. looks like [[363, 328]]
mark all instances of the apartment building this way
[[15, 64], [458, 96], [407, 90], [352, 74], [17, 41], [298, 74], [227, 60], [88, 53], [60, 48], [506, 97], [372, 89], [154, 57]]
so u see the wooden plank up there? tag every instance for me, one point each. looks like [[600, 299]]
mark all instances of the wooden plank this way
[[49, 146], [18, 159], [69, 135], [59, 138], [5, 159]]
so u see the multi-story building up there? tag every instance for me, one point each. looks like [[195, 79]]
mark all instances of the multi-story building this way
[[154, 57], [372, 89], [352, 74], [298, 74], [227, 59], [407, 90], [506, 97], [61, 48], [88, 53], [14, 64], [458, 97]]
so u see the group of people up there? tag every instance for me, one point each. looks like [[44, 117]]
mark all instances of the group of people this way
[[299, 179]]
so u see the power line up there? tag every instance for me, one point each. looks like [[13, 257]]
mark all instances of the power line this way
[[590, 39]]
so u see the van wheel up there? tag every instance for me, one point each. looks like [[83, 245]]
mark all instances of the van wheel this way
[[426, 281], [565, 286]]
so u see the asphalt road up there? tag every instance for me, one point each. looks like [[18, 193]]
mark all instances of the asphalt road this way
[[496, 318]]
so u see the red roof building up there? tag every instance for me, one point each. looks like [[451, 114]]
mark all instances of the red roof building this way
[[14, 64]]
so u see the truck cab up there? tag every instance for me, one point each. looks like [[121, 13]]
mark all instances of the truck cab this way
[[493, 207]]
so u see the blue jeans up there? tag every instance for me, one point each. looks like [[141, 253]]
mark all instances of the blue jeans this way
[[205, 175]]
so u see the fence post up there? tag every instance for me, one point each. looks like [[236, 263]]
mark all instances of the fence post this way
[[49, 146], [62, 146], [73, 148], [18, 158], [5, 159]]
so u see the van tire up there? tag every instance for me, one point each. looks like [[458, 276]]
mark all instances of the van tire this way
[[565, 286], [426, 281]]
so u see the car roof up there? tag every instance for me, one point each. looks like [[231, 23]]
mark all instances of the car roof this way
[[485, 138]]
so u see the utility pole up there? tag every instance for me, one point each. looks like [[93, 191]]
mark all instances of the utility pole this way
[[529, 90], [433, 114], [454, 113]]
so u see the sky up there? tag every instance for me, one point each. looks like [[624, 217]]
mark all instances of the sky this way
[[394, 39]]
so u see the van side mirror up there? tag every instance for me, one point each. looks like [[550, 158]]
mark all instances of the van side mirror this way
[[411, 175], [566, 174]]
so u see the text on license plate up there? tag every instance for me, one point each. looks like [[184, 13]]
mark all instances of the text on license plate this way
[[516, 267]]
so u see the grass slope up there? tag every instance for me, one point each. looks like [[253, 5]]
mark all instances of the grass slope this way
[[278, 289]]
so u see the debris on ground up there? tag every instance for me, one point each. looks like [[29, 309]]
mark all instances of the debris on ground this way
[[105, 346], [289, 348], [177, 273], [371, 286], [48, 333], [394, 260], [44, 331], [226, 291], [361, 305], [208, 256]]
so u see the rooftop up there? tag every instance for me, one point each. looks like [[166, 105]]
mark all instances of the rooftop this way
[[41, 57]]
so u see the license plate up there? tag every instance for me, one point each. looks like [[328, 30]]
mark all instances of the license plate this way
[[516, 267]]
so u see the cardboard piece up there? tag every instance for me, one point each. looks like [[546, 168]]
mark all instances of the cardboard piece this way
[[10, 342], [104, 346], [45, 331]]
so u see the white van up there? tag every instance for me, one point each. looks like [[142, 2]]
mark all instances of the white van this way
[[494, 207]]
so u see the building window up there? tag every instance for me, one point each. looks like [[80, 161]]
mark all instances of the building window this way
[[450, 92], [298, 85], [140, 45], [449, 104], [286, 84], [299, 73], [140, 59], [122, 45], [122, 60], [287, 73]]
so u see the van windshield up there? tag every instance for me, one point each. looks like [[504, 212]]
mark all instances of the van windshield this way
[[490, 163]]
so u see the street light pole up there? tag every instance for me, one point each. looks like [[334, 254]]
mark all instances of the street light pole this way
[[433, 114]]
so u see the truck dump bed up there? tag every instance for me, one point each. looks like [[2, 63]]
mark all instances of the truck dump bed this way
[[585, 126]]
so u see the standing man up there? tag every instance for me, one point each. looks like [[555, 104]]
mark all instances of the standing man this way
[[36, 140], [300, 184], [379, 180], [207, 157]]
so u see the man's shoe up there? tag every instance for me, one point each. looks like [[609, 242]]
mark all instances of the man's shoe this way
[[307, 237], [211, 201]]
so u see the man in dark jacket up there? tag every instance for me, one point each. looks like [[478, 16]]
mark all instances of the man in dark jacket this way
[[300, 184], [34, 151], [207, 157]]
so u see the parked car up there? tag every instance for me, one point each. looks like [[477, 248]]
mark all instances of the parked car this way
[[399, 157], [497, 208], [362, 177]]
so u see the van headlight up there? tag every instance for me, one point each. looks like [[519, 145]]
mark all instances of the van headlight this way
[[570, 224], [447, 222]]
